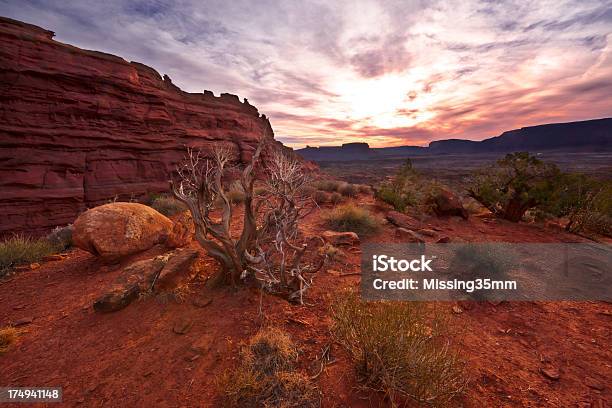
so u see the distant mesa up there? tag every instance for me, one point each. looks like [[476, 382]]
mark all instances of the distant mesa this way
[[587, 136]]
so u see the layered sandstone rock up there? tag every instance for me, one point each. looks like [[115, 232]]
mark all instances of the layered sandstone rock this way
[[79, 128]]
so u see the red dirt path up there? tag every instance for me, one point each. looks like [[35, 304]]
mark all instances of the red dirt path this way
[[133, 357]]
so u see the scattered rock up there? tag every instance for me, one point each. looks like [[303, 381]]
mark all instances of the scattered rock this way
[[116, 230], [407, 235], [334, 272], [176, 268], [427, 232], [22, 268], [341, 238], [182, 326], [550, 372], [201, 303], [457, 309], [443, 240], [402, 220], [116, 299], [52, 258], [34, 265], [594, 384], [202, 345], [19, 307], [466, 304], [23, 322], [447, 203], [182, 232]]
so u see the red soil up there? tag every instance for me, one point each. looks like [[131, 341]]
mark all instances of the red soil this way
[[133, 357]]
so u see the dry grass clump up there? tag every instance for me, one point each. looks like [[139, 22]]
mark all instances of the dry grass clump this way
[[349, 217], [20, 250], [236, 193], [265, 377], [327, 185], [348, 190], [363, 188], [321, 197], [399, 348], [336, 198], [167, 205], [8, 336]]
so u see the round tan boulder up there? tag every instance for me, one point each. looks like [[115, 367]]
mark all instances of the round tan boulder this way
[[116, 230]]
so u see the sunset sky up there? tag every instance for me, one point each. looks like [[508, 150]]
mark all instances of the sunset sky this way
[[384, 72]]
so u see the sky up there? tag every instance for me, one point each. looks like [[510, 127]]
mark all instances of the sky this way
[[388, 73]]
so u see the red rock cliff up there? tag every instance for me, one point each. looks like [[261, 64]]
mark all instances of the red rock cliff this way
[[80, 127]]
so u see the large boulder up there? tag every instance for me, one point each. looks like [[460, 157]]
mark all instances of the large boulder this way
[[447, 203], [116, 230]]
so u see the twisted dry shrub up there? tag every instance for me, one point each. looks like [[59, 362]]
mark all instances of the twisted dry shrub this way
[[400, 349], [266, 376], [349, 217]]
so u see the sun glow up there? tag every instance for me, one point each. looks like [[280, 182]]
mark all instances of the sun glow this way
[[384, 102]]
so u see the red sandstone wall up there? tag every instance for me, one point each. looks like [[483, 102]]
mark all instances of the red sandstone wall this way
[[79, 127]]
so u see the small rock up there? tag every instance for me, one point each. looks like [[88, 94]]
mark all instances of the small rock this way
[[427, 232], [550, 373], [466, 304], [594, 384], [407, 235], [182, 326], [333, 272], [457, 309], [341, 238], [443, 240], [201, 303], [21, 268], [23, 322], [402, 220], [52, 258], [34, 265], [19, 307]]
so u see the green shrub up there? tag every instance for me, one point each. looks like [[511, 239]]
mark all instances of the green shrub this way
[[398, 196], [407, 189], [519, 182], [20, 250], [348, 190], [167, 205], [266, 376], [349, 217], [399, 348], [585, 201]]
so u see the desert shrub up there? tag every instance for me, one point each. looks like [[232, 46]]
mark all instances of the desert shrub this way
[[399, 197], [266, 376], [517, 183], [482, 260], [19, 250], [335, 198], [308, 191], [61, 237], [321, 197], [407, 189], [585, 201], [270, 351], [399, 348], [350, 217], [327, 185], [235, 194], [167, 205], [363, 188], [8, 336], [348, 190]]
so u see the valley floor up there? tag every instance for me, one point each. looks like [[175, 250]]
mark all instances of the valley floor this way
[[134, 358]]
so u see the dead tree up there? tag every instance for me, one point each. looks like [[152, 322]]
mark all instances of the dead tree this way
[[269, 247]]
